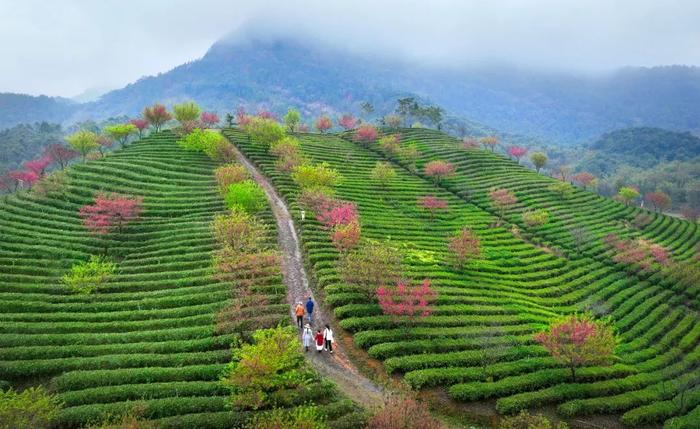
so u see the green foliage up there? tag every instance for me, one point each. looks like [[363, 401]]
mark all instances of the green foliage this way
[[23, 142], [316, 177], [83, 141], [207, 141], [292, 119], [383, 173], [32, 408], [247, 196], [273, 362], [564, 189], [539, 159], [264, 131], [88, 276], [302, 417], [186, 112], [535, 217], [628, 194], [120, 132]]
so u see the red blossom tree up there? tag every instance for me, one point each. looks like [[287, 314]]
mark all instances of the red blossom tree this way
[[464, 246], [157, 115], [346, 237], [502, 200], [404, 413], [140, 124], [432, 204], [23, 178], [577, 341], [337, 213], [39, 165], [660, 200], [517, 152], [438, 170], [584, 179], [61, 154], [324, 124], [209, 119], [109, 212], [406, 300], [347, 122], [366, 134], [470, 143]]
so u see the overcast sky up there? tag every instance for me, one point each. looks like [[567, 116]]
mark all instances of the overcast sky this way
[[63, 47]]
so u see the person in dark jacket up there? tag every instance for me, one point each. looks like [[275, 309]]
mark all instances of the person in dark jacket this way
[[310, 309]]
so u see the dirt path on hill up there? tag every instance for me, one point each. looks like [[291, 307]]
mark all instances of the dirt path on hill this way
[[337, 367]]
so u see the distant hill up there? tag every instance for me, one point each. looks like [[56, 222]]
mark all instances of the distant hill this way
[[560, 107], [20, 108], [25, 141]]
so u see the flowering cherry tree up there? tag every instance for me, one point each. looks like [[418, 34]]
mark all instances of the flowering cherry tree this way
[[577, 341], [517, 152], [39, 165], [338, 213], [61, 154], [660, 200], [584, 179], [23, 178], [438, 170], [157, 115], [346, 237], [489, 142], [502, 200], [366, 134], [209, 119], [347, 122], [470, 143], [432, 204], [140, 124], [324, 124], [109, 212], [463, 246], [406, 300]]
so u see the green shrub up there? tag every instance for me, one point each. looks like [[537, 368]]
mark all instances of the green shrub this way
[[88, 276], [525, 420], [303, 417], [247, 196], [32, 408]]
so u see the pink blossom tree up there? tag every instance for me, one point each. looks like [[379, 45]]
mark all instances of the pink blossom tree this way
[[39, 165], [266, 114], [23, 178], [323, 124], [584, 179], [109, 212], [463, 246], [341, 213], [432, 204], [690, 213], [660, 200], [502, 200], [157, 115], [347, 122], [209, 119], [242, 118], [470, 143], [405, 300], [660, 254], [438, 170], [140, 124], [577, 341], [366, 134], [517, 152], [61, 154]]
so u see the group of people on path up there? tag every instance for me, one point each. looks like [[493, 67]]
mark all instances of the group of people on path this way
[[324, 340]]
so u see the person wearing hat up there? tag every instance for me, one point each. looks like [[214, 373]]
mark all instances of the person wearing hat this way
[[307, 336], [299, 312]]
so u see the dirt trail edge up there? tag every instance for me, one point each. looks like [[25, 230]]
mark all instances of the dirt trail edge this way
[[336, 367]]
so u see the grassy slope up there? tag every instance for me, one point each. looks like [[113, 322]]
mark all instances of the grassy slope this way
[[487, 313], [150, 334]]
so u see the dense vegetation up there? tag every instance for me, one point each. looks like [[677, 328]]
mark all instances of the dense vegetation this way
[[22, 142], [524, 271], [155, 336]]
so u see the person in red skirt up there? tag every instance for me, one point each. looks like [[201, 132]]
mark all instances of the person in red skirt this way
[[319, 341]]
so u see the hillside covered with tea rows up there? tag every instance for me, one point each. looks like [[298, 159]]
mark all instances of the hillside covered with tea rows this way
[[590, 254]]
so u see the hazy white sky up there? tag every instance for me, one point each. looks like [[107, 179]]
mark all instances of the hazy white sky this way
[[62, 47]]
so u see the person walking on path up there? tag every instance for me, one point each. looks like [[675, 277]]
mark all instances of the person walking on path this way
[[310, 309], [319, 341], [299, 312], [328, 338], [307, 336]]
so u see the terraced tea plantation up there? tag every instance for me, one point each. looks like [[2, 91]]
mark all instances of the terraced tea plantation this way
[[149, 339], [478, 340]]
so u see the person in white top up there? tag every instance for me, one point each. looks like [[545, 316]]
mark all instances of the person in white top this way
[[307, 336], [328, 337]]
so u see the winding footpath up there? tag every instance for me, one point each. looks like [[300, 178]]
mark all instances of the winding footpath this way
[[336, 367]]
